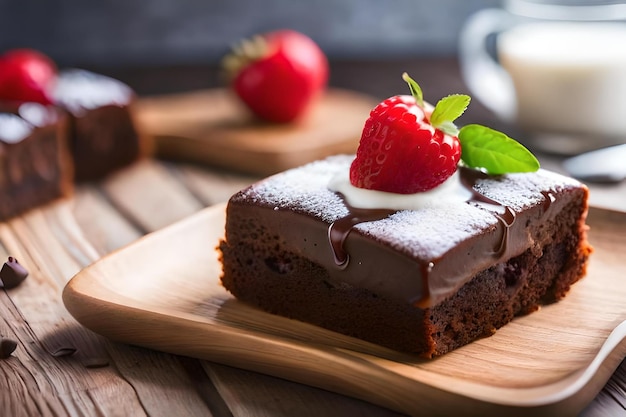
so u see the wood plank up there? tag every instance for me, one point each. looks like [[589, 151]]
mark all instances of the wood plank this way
[[250, 394], [150, 196], [211, 186], [162, 385], [83, 380], [153, 375], [46, 242], [212, 127], [102, 225]]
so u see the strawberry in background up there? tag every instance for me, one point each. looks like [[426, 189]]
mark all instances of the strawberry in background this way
[[278, 74], [26, 76]]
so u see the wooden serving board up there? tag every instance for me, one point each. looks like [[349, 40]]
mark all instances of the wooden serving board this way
[[213, 127], [163, 292]]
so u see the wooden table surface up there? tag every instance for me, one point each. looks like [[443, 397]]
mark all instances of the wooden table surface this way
[[62, 369]]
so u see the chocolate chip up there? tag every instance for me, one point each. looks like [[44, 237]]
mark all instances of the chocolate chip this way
[[7, 346], [12, 273]]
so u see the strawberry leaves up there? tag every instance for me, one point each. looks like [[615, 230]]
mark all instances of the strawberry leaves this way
[[416, 91], [482, 148], [447, 110]]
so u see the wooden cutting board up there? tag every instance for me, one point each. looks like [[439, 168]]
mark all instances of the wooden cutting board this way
[[163, 292], [213, 127]]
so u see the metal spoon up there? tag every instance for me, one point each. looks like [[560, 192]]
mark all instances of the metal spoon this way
[[606, 165]]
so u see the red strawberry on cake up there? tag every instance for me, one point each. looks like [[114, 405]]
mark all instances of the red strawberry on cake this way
[[401, 151], [409, 146]]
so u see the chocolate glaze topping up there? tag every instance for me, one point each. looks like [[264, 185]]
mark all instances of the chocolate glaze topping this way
[[419, 256], [504, 214], [339, 230]]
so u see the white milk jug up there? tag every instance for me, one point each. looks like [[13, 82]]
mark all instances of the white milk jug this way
[[558, 70]]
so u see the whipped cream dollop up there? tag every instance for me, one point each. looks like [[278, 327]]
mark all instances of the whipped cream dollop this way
[[450, 191]]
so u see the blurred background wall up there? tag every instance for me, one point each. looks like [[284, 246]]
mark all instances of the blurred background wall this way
[[180, 32]]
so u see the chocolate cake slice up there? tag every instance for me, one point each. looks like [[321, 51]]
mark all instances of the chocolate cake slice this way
[[424, 281], [86, 133], [103, 134], [35, 166]]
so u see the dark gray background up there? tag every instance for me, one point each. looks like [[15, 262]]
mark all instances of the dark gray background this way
[[169, 32]]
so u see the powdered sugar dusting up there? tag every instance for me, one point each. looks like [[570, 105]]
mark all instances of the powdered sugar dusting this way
[[80, 90], [428, 232], [522, 190], [303, 190], [13, 129], [432, 231]]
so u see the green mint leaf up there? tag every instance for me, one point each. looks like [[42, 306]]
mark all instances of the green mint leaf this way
[[494, 152], [448, 109], [416, 91]]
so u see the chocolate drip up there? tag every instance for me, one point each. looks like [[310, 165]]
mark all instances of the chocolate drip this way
[[469, 179], [548, 199], [340, 229], [424, 300], [507, 219]]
